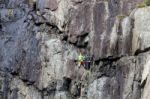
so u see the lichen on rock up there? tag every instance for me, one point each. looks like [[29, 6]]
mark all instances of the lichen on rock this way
[[40, 41]]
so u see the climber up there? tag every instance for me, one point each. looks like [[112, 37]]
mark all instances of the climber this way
[[81, 59]]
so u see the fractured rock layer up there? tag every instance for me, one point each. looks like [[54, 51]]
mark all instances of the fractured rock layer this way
[[41, 39]]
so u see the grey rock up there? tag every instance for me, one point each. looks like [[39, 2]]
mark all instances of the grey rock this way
[[141, 32], [48, 4], [7, 15], [40, 41], [146, 90]]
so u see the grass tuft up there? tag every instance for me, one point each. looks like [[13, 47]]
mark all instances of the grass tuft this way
[[147, 2], [141, 5], [121, 17]]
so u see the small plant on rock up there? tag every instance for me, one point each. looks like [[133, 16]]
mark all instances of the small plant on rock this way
[[141, 5], [147, 2], [121, 17]]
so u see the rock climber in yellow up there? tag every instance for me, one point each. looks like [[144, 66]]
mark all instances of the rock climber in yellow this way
[[81, 59]]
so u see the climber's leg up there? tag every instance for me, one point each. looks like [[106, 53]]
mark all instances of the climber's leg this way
[[88, 65], [79, 64]]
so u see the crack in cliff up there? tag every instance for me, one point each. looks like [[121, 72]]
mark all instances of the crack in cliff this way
[[104, 67], [142, 51], [111, 58], [143, 83]]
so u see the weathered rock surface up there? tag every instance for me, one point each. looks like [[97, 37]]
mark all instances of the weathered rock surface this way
[[40, 41], [47, 4], [141, 30]]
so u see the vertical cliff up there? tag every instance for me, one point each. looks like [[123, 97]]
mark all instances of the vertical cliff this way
[[40, 41]]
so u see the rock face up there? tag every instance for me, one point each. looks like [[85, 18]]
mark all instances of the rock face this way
[[47, 4], [40, 41]]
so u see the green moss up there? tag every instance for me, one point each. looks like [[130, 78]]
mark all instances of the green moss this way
[[147, 2], [141, 5], [120, 17]]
